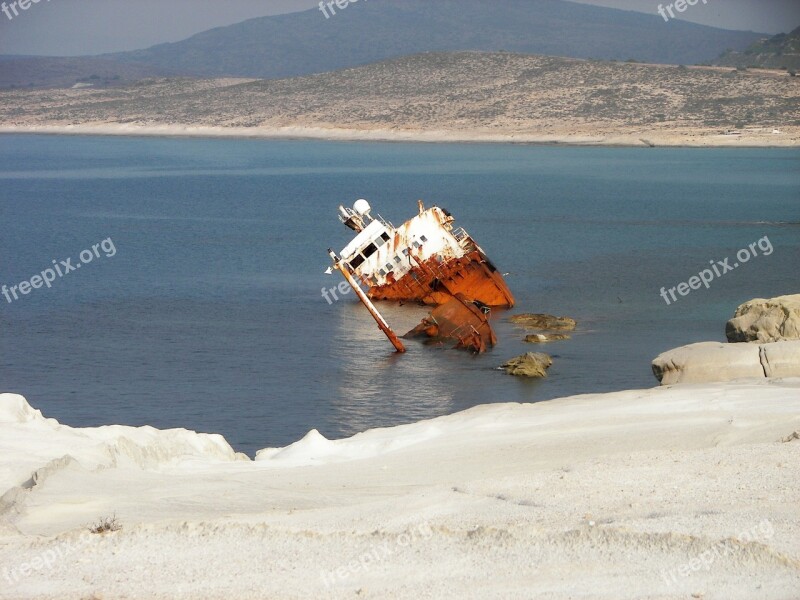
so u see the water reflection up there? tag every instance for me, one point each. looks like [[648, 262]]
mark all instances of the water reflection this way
[[378, 387]]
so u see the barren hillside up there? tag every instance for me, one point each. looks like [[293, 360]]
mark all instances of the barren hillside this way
[[501, 93]]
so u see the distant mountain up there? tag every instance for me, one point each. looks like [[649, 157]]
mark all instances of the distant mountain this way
[[781, 51], [45, 71], [366, 32]]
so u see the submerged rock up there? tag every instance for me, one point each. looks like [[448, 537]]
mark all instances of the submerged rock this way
[[530, 364], [543, 338], [766, 320], [544, 321]]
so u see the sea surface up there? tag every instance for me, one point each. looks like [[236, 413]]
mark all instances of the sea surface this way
[[209, 315]]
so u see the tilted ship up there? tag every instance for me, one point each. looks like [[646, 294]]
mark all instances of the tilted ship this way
[[425, 260]]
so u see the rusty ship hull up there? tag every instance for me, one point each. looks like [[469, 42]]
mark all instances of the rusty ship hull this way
[[424, 260], [435, 281]]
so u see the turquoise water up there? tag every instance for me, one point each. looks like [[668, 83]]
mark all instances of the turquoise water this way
[[210, 314]]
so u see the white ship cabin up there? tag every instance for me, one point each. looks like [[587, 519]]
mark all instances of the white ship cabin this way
[[382, 254]]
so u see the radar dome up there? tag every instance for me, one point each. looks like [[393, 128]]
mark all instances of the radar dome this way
[[362, 207]]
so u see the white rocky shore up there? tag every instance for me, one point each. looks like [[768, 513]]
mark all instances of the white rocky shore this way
[[687, 491], [765, 342]]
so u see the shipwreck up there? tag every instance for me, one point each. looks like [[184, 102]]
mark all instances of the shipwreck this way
[[428, 260]]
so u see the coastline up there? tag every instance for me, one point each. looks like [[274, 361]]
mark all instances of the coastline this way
[[640, 139], [662, 492]]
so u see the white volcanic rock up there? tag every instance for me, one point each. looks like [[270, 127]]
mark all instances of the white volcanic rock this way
[[781, 359], [708, 362], [766, 320], [670, 492]]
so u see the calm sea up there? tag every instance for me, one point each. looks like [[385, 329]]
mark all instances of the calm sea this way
[[210, 314]]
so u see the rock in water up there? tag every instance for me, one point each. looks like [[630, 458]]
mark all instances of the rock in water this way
[[530, 364], [543, 338], [542, 321], [760, 320]]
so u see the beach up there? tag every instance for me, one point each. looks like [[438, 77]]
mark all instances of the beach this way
[[676, 492], [615, 137]]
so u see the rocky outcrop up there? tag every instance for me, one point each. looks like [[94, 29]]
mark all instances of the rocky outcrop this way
[[543, 338], [530, 364], [708, 362], [542, 321], [780, 359], [766, 320]]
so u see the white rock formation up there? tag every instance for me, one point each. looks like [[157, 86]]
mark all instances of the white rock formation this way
[[708, 362], [766, 320], [781, 359]]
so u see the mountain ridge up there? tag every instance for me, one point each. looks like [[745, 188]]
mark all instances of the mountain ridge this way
[[781, 51], [277, 46], [305, 43]]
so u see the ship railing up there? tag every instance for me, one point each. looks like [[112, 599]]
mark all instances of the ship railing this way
[[460, 234], [386, 223]]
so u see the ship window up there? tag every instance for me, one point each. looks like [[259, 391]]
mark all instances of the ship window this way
[[416, 244], [382, 273], [389, 267], [374, 280], [423, 238], [356, 262], [405, 252], [370, 250], [398, 260], [385, 236], [379, 241]]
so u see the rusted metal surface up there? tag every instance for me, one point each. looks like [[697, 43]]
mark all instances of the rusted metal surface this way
[[436, 281], [425, 260], [459, 321]]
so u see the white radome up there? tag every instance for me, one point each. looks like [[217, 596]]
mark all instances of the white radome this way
[[362, 207]]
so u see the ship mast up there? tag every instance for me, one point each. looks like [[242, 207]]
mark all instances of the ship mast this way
[[382, 324]]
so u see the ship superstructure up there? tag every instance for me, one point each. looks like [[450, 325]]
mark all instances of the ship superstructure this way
[[426, 259]]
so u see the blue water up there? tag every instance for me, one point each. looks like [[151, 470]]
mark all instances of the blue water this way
[[210, 314]]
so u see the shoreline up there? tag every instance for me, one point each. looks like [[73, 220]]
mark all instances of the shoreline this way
[[662, 492], [678, 139]]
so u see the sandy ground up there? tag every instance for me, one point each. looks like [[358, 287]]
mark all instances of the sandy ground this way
[[676, 492], [700, 138]]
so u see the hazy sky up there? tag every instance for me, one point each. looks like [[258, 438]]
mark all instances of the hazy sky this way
[[75, 27]]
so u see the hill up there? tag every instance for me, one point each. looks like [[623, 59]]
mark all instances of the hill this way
[[464, 95], [306, 42], [781, 51], [43, 72]]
